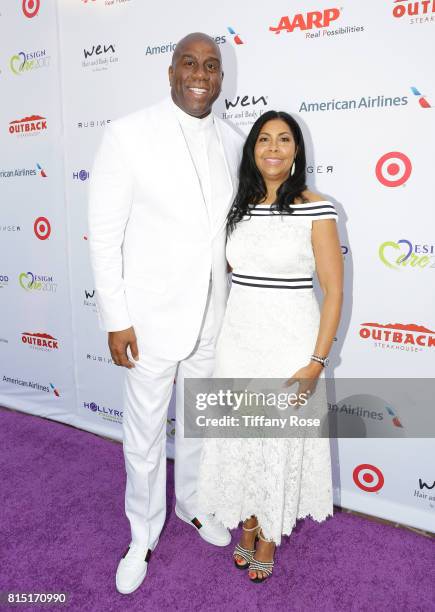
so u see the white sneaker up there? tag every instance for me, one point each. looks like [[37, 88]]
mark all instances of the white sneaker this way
[[132, 569], [208, 527]]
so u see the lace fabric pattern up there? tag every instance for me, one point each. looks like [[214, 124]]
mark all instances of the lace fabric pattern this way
[[268, 333]]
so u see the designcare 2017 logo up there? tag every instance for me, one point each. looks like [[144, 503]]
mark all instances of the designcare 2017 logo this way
[[409, 337], [37, 282], [24, 62], [407, 255], [35, 124], [40, 341], [314, 24]]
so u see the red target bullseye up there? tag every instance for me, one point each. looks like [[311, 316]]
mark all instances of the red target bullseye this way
[[42, 228], [31, 7], [393, 169], [368, 477]]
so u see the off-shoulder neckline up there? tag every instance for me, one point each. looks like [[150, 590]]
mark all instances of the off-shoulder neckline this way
[[319, 202]]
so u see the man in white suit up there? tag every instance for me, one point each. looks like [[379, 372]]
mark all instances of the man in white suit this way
[[162, 184]]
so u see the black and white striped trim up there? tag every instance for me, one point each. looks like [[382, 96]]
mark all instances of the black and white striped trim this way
[[268, 282], [320, 209]]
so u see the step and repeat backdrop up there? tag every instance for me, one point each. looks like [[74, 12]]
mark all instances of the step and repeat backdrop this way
[[355, 75]]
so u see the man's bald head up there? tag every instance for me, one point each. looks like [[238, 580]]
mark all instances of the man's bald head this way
[[195, 74], [192, 38]]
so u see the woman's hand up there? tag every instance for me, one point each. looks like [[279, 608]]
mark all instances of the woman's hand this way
[[306, 378]]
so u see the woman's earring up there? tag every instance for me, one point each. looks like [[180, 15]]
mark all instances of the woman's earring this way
[[292, 171]]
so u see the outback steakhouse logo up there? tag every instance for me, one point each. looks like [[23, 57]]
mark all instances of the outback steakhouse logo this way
[[399, 334], [34, 123], [40, 340]]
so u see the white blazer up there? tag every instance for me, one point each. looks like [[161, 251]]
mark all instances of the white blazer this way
[[151, 243]]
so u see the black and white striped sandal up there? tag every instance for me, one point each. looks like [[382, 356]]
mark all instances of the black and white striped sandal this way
[[261, 566], [245, 553]]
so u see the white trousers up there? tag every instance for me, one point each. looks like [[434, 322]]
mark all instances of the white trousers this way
[[148, 389]]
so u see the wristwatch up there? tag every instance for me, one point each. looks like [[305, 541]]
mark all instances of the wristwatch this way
[[322, 360]]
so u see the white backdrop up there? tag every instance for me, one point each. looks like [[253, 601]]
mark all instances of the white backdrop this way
[[355, 75]]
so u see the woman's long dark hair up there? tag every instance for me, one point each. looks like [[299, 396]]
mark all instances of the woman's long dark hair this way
[[252, 189]]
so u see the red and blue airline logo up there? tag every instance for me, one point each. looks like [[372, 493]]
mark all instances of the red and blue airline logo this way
[[421, 99], [235, 36], [41, 170], [55, 391]]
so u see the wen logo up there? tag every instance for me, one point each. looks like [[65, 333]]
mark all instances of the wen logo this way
[[245, 101], [424, 485], [98, 50], [235, 36], [421, 99]]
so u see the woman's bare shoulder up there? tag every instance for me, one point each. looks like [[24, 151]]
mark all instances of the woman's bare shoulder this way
[[311, 196]]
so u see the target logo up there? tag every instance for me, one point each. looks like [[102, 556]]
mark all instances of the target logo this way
[[31, 8], [368, 477], [42, 228], [393, 169]]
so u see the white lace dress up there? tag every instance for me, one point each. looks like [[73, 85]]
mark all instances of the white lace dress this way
[[269, 332]]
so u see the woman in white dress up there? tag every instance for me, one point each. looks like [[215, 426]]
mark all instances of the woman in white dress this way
[[279, 234]]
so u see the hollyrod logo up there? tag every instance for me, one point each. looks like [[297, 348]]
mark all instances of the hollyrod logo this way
[[368, 477], [421, 99], [420, 12], [406, 254], [31, 8], [40, 341], [28, 125], [393, 169], [409, 337], [108, 414], [24, 62], [81, 175], [4, 280]]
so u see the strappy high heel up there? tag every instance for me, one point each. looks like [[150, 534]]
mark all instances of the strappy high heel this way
[[245, 553], [261, 566]]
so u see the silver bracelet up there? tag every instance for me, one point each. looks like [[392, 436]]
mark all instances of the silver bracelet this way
[[322, 360]]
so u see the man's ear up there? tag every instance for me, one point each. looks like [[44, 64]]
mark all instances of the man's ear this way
[[170, 74]]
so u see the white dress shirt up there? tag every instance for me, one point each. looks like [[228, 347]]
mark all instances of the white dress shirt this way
[[206, 151]]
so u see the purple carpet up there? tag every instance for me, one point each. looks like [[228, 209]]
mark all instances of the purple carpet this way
[[63, 530]]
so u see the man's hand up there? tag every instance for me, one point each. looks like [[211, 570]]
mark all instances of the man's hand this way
[[118, 343]]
